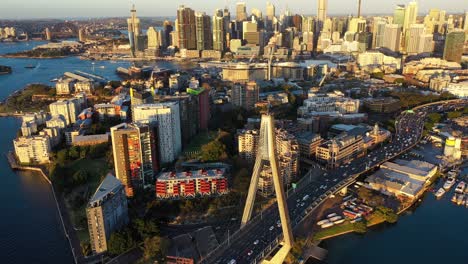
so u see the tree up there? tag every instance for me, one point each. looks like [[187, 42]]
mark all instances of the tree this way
[[213, 151], [120, 242], [154, 247], [80, 176], [452, 115], [62, 156], [74, 152], [360, 227], [387, 213], [145, 228]]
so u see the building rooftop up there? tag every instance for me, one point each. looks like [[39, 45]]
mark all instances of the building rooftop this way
[[108, 186], [196, 174]]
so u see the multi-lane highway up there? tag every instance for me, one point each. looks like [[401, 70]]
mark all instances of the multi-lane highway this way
[[262, 234]]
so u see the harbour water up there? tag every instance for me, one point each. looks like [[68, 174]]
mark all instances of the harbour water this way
[[30, 228], [434, 231]]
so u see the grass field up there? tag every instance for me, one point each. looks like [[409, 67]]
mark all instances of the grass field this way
[[201, 139]]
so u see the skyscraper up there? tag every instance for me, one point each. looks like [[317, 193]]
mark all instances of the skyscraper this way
[[219, 31], [378, 32], [359, 8], [134, 30], [270, 11], [203, 29], [392, 37], [322, 12], [399, 15], [153, 38], [186, 28], [413, 38], [245, 96], [454, 43], [135, 155], [107, 212], [241, 11], [411, 13], [166, 34], [166, 117], [465, 27]]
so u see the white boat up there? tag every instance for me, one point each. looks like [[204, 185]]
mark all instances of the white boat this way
[[323, 222], [338, 222], [449, 183], [327, 225], [331, 215], [359, 219], [336, 218], [440, 193], [460, 187]]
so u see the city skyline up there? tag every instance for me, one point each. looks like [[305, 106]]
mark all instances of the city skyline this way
[[58, 9]]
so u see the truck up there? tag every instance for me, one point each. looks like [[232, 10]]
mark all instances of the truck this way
[[305, 197]]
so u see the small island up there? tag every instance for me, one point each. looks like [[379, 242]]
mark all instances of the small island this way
[[5, 70]]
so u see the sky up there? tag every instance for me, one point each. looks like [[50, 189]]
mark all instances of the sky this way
[[20, 9]]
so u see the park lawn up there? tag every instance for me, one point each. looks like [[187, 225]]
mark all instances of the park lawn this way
[[334, 230], [97, 169], [199, 140]]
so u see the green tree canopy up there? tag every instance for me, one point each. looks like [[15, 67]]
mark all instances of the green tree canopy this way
[[213, 151]]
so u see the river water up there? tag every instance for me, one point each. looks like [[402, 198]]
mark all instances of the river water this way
[[30, 228]]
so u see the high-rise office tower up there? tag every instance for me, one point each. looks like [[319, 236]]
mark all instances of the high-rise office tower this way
[[250, 32], [166, 34], [134, 147], [308, 24], [241, 11], [166, 117], [219, 31], [399, 15], [411, 13], [186, 28], [134, 30], [257, 13], [426, 43], [357, 25], [204, 32], [454, 43], [322, 12], [270, 11], [153, 38], [413, 38], [378, 32], [465, 27], [392, 37], [107, 212]]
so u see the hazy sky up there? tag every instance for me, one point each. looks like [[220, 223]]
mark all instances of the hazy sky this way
[[105, 8]]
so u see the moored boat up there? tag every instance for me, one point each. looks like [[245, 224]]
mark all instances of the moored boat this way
[[449, 183], [440, 193], [460, 199], [460, 187]]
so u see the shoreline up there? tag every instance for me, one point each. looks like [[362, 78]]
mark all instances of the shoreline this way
[[59, 205]]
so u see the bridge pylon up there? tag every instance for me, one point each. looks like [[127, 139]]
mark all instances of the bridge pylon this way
[[266, 155]]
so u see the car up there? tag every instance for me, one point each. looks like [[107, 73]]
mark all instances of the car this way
[[250, 253], [256, 242], [232, 261], [271, 228]]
